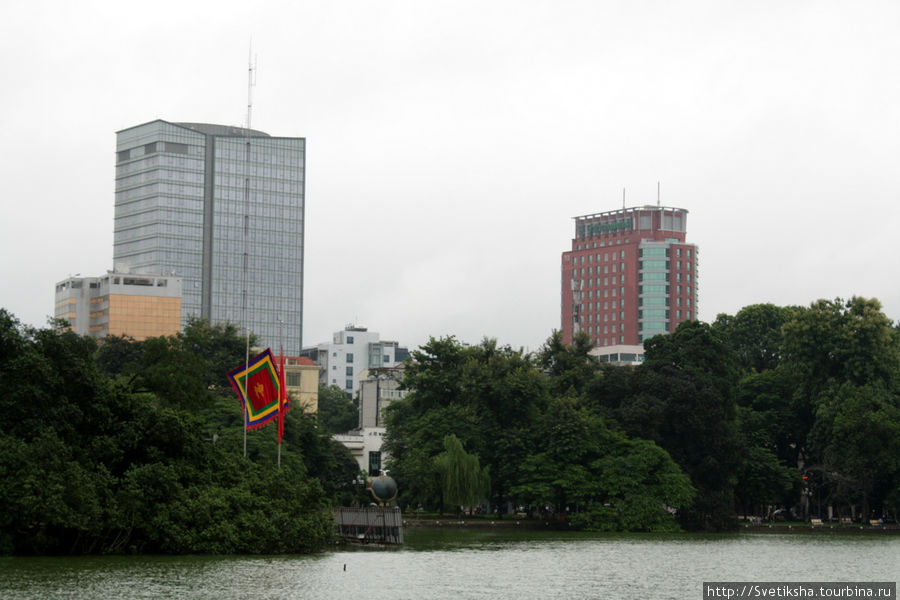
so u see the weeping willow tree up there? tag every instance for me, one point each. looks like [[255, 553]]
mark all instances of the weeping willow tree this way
[[462, 479]]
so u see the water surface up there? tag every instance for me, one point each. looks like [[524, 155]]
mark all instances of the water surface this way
[[470, 564]]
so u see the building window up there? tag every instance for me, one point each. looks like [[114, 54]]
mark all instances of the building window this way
[[349, 339], [386, 358], [349, 384], [349, 372], [292, 379], [349, 357], [678, 252], [374, 463]]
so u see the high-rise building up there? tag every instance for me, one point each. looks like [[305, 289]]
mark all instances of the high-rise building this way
[[630, 275], [223, 209], [139, 306]]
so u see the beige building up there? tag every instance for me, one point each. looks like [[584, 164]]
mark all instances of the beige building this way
[[126, 304], [301, 378]]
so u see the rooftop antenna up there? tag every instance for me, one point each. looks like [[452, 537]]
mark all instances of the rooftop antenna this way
[[657, 193], [623, 198], [251, 69]]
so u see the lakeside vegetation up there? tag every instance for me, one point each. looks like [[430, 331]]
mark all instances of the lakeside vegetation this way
[[131, 446], [772, 407], [137, 447]]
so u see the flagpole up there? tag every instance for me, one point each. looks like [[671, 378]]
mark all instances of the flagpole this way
[[282, 391]]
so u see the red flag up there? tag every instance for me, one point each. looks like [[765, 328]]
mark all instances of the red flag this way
[[281, 400]]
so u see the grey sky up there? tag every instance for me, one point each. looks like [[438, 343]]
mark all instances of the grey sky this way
[[450, 143]]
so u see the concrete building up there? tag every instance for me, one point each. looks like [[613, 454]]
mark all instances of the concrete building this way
[[353, 351], [376, 392], [620, 355], [377, 389], [629, 275], [365, 446], [201, 201], [120, 303], [301, 378]]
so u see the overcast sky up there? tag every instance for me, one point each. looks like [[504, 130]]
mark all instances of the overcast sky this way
[[450, 144]]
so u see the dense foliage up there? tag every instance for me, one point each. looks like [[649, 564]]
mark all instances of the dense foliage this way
[[772, 407], [538, 448], [138, 447], [128, 446], [337, 413]]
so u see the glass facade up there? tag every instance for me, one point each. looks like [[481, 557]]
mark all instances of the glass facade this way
[[184, 206]]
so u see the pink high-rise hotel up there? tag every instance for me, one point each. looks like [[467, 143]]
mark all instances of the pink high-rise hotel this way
[[630, 275]]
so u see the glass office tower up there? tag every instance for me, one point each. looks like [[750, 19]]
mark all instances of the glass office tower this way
[[192, 199]]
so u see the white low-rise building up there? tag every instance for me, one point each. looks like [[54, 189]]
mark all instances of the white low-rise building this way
[[353, 352]]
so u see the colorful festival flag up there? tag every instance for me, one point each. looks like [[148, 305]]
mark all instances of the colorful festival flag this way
[[258, 386]]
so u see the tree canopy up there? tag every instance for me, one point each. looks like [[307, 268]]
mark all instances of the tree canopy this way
[[137, 447], [792, 407]]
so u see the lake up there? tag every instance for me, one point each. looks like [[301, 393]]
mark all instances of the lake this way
[[495, 564]]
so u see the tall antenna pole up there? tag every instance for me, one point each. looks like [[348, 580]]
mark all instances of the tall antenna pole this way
[[246, 252], [623, 197], [657, 193]]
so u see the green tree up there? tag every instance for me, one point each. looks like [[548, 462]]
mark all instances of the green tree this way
[[487, 395], [841, 352], [859, 427], [755, 334], [336, 411], [93, 464], [463, 481], [849, 341], [605, 480], [571, 368], [683, 399]]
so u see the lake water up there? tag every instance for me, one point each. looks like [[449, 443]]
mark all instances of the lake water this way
[[470, 564]]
